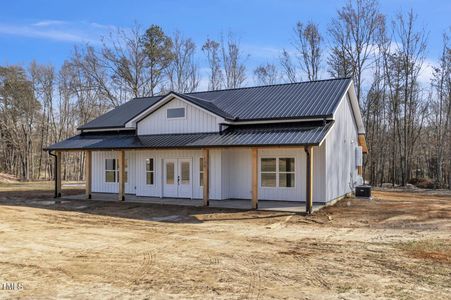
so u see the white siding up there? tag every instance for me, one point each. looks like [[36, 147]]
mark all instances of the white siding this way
[[230, 173], [340, 153], [237, 170], [237, 177], [137, 172], [196, 120], [98, 173]]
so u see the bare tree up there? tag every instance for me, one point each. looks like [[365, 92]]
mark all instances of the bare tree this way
[[289, 69], [266, 74], [440, 117], [353, 35], [308, 44], [183, 72], [233, 65], [211, 50]]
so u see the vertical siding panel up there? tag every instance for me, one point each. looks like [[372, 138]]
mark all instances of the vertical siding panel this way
[[196, 120], [340, 153]]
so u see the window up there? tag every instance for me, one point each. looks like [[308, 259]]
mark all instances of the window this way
[[277, 172], [201, 171], [185, 178], [286, 172], [150, 172], [170, 170], [175, 113], [112, 170], [268, 172]]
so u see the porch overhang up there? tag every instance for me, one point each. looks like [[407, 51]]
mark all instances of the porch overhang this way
[[240, 136]]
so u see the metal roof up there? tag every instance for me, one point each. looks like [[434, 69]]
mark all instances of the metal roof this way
[[310, 99], [121, 114], [300, 134]]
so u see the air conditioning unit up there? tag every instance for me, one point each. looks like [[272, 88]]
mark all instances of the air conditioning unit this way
[[363, 191]]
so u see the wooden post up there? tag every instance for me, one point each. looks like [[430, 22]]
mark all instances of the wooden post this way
[[88, 173], [206, 167], [58, 174], [121, 161], [254, 178], [309, 180]]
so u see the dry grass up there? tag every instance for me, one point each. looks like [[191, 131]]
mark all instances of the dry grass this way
[[396, 246], [435, 250]]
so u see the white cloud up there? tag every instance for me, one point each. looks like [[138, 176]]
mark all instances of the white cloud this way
[[45, 23], [57, 30]]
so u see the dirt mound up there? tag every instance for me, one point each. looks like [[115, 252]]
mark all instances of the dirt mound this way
[[6, 178]]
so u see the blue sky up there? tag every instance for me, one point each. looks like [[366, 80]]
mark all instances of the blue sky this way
[[47, 30]]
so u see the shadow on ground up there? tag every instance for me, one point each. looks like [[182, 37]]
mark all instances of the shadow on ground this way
[[136, 211]]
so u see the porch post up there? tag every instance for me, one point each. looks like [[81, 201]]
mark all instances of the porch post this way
[[254, 178], [309, 180], [121, 161], [88, 173], [206, 176], [58, 155]]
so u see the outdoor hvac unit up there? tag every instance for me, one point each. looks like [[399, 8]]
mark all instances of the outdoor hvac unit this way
[[363, 191]]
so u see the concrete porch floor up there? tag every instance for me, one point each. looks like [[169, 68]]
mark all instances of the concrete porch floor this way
[[268, 205]]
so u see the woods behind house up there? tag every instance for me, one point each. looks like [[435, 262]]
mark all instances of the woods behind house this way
[[407, 120]]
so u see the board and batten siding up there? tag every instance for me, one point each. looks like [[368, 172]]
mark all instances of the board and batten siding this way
[[98, 172], [341, 143], [136, 172], [237, 168], [196, 120]]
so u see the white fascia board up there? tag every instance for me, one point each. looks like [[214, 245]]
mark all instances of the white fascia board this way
[[324, 138], [355, 107]]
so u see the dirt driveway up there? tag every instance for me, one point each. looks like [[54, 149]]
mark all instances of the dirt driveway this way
[[396, 246]]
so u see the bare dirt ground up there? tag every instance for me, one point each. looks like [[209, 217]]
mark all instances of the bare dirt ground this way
[[395, 246]]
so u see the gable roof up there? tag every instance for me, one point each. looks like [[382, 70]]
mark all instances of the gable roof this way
[[310, 99]]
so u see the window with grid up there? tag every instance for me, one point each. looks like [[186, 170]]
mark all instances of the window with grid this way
[[112, 170], [277, 172]]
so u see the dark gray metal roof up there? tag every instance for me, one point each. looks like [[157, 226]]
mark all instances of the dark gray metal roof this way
[[284, 134], [121, 114], [310, 99]]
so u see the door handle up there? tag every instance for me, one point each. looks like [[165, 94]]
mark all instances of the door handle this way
[[178, 180]]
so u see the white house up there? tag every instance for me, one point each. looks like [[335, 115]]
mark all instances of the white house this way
[[291, 142]]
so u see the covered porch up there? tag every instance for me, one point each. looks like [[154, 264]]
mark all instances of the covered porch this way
[[239, 204], [242, 152]]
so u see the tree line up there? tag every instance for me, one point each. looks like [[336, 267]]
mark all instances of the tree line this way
[[407, 121]]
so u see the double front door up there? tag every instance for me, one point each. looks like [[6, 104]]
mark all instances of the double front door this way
[[177, 178]]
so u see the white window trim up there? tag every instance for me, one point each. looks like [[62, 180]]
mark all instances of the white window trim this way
[[178, 118], [153, 171], [277, 172], [116, 171], [201, 171]]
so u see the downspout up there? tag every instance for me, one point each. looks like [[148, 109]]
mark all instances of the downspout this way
[[55, 172]]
